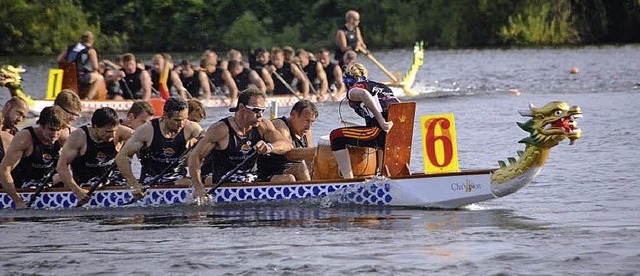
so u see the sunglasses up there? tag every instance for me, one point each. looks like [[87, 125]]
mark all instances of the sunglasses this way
[[349, 80], [72, 113], [255, 109]]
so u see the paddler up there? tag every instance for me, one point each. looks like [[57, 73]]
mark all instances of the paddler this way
[[160, 144], [296, 129], [234, 139], [86, 59], [33, 154], [349, 37], [90, 151], [14, 111]]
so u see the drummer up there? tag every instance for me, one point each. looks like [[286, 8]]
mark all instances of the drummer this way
[[370, 100], [297, 130]]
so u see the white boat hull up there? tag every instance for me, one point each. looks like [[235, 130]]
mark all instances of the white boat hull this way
[[424, 191]]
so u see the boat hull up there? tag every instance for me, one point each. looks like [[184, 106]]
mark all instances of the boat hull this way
[[426, 191], [124, 105]]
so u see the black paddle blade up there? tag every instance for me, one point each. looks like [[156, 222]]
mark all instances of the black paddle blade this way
[[36, 194], [135, 198], [84, 201]]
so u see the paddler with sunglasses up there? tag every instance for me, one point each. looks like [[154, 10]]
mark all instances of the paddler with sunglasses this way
[[371, 101], [234, 139]]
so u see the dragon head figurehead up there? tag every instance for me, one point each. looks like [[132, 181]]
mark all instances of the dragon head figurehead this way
[[551, 124], [10, 76], [548, 126]]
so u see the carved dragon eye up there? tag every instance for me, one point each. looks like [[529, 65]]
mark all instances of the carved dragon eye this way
[[558, 112]]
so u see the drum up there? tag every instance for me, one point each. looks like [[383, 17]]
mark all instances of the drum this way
[[363, 161]]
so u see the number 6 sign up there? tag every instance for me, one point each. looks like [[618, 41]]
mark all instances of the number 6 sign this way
[[439, 148]]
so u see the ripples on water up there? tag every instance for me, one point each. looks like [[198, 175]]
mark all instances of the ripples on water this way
[[579, 217]]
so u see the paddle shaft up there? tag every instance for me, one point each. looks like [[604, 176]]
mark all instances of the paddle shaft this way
[[213, 87], [313, 89], [286, 84], [384, 70], [226, 177], [127, 87], [42, 187], [165, 170], [93, 187]]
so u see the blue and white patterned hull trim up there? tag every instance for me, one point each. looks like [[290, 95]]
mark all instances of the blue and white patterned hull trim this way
[[449, 191]]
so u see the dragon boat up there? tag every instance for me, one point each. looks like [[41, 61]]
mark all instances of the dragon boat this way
[[397, 186], [11, 79]]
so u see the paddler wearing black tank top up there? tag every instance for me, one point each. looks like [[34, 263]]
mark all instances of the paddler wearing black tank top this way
[[90, 151], [36, 155], [162, 140], [297, 130], [348, 36], [246, 131]]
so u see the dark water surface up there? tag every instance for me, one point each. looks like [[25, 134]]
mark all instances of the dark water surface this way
[[580, 217]]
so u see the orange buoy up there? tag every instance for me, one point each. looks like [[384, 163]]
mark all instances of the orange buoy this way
[[574, 70], [158, 106]]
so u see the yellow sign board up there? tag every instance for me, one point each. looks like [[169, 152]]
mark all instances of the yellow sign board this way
[[439, 147], [55, 83]]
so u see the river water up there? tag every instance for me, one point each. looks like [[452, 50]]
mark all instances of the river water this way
[[581, 216]]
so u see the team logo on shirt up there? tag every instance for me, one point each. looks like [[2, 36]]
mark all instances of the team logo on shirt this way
[[168, 151], [101, 156], [47, 157], [246, 147]]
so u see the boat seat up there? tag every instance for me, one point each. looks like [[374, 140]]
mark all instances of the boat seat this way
[[70, 81]]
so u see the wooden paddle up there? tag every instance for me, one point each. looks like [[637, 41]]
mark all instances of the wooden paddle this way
[[377, 63], [405, 87], [172, 165], [92, 189], [287, 85], [313, 89], [48, 182], [226, 176]]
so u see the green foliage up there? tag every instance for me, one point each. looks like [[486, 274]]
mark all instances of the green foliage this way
[[47, 27], [246, 33], [540, 24]]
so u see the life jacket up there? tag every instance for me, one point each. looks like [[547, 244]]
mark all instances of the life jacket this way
[[79, 54]]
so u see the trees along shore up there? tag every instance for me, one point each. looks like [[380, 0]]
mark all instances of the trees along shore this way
[[185, 26]]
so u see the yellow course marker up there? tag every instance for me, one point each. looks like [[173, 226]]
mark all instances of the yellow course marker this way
[[55, 83]]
